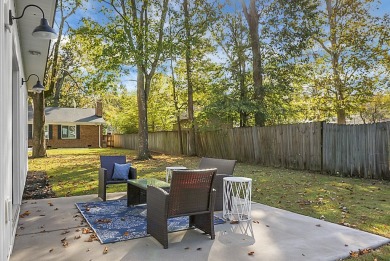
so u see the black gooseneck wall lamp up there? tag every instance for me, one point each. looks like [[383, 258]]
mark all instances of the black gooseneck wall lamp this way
[[38, 87], [43, 31]]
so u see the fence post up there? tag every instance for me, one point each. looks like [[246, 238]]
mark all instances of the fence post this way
[[322, 145]]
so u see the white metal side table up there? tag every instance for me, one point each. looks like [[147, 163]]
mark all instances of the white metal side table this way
[[169, 170], [237, 193]]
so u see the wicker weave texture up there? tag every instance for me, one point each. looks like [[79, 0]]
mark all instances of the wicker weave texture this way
[[191, 194]]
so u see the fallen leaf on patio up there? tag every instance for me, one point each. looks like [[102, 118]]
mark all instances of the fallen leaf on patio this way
[[255, 221], [77, 237], [87, 230], [77, 215], [50, 204], [267, 225], [91, 238], [186, 248], [88, 250], [65, 244], [251, 253], [63, 240], [56, 209], [26, 213], [65, 232], [21, 228], [345, 245], [234, 222], [199, 248], [51, 250], [318, 225], [105, 251], [303, 254], [78, 230]]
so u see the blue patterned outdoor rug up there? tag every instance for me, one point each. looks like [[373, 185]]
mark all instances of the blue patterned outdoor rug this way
[[113, 221]]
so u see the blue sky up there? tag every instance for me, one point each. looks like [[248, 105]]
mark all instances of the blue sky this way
[[384, 8]]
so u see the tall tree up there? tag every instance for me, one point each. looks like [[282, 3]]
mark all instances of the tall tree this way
[[232, 36], [133, 33], [279, 33], [66, 9], [252, 16], [351, 48], [197, 17]]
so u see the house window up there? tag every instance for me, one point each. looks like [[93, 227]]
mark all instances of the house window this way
[[46, 132], [47, 129], [68, 131]]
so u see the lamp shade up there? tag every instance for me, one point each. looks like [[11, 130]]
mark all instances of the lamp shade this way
[[38, 88], [44, 31]]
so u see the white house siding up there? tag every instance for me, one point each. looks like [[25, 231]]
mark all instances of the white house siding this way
[[13, 130]]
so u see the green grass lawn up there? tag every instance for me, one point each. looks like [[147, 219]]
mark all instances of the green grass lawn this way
[[358, 203]]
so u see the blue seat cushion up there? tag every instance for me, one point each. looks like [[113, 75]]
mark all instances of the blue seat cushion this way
[[121, 171]]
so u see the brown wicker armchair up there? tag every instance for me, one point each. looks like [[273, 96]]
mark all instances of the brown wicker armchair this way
[[225, 168], [107, 170], [191, 194]]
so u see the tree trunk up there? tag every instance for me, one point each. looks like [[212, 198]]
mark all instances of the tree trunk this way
[[176, 103], [253, 21], [191, 134], [143, 146], [243, 90], [341, 117], [58, 84], [338, 85], [39, 142]]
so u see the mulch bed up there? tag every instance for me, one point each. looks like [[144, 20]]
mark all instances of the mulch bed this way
[[37, 186]]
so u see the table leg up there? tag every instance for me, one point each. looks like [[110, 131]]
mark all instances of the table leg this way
[[133, 195]]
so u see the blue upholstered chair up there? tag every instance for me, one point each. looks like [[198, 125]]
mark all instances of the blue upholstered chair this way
[[107, 170]]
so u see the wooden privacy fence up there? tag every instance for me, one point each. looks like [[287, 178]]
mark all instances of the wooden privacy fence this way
[[163, 142], [355, 150], [296, 146]]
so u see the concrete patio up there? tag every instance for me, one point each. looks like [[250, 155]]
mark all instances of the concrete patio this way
[[277, 235]]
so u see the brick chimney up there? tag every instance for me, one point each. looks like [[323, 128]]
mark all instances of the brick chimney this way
[[99, 109]]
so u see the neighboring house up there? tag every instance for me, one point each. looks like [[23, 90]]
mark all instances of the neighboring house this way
[[20, 55], [71, 127]]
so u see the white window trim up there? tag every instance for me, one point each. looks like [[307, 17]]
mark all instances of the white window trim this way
[[46, 130], [69, 138]]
